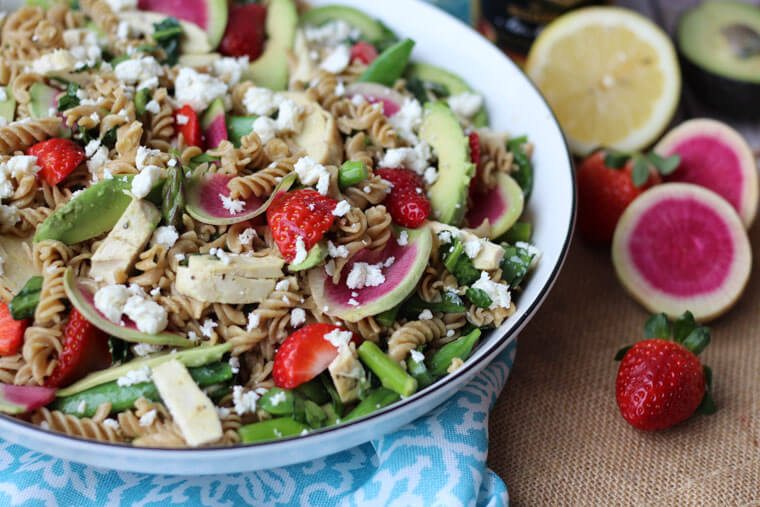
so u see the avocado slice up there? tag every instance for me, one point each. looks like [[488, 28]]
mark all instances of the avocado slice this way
[[270, 70], [7, 106], [316, 255], [238, 127], [453, 83], [719, 45], [93, 212], [214, 124], [44, 99], [194, 357], [372, 30], [442, 131]]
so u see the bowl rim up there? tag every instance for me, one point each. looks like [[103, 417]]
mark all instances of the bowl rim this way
[[496, 343]]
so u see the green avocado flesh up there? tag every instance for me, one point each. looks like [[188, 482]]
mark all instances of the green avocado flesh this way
[[316, 255], [195, 357], [371, 29], [442, 131], [7, 106], [271, 68], [43, 100], [718, 37], [453, 83]]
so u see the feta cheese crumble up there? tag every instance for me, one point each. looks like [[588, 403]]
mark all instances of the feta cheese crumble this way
[[110, 301], [417, 356], [233, 206], [197, 89], [265, 128], [149, 316], [416, 159], [408, 120], [145, 349], [426, 314], [338, 59], [337, 252], [466, 104], [207, 329], [473, 247], [141, 72], [297, 317], [498, 292], [132, 377], [338, 338], [341, 208], [231, 69], [261, 101], [289, 116], [144, 181], [148, 418], [403, 238], [311, 172], [365, 275], [244, 401], [165, 236], [254, 320], [301, 252]]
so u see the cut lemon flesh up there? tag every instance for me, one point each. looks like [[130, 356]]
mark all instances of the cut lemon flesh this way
[[610, 75]]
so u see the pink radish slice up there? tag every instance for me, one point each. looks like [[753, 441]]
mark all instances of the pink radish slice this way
[[501, 206], [681, 247], [21, 399], [375, 93], [210, 15], [216, 132], [715, 156]]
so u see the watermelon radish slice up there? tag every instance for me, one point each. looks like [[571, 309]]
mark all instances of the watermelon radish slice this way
[[210, 15], [501, 206], [22, 399], [681, 247], [391, 99], [715, 156], [214, 124], [401, 278], [204, 199], [83, 300]]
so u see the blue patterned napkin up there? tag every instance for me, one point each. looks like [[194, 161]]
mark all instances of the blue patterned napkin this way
[[440, 459]]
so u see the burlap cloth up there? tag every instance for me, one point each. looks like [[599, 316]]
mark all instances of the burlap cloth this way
[[557, 437]]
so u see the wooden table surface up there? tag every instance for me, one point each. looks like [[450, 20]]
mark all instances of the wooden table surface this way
[[556, 435]]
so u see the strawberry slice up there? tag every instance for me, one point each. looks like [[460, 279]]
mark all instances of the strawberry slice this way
[[300, 216], [186, 120], [85, 349], [363, 52], [246, 31], [57, 158], [11, 332], [304, 355]]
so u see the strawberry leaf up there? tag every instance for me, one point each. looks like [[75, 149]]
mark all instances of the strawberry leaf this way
[[683, 326], [707, 407], [698, 339], [664, 165], [616, 159], [622, 352], [640, 173], [657, 326]]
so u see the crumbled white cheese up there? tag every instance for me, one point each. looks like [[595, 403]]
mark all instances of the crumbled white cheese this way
[[297, 317], [91, 147], [532, 250], [142, 154], [253, 321], [282, 285], [403, 238], [231, 69], [165, 236], [416, 159], [221, 255], [289, 116], [301, 252], [9, 215], [182, 119], [148, 417], [340, 251], [341, 208], [261, 101], [144, 181], [149, 316], [473, 247], [59, 60], [331, 33], [311, 172], [417, 356], [465, 105], [265, 128], [141, 72], [122, 5], [450, 333], [207, 329], [389, 261], [233, 206], [340, 89], [180, 257], [338, 59], [234, 363], [363, 275], [425, 314], [110, 301], [136, 376], [193, 336], [223, 412], [197, 89], [111, 423], [330, 267], [82, 406], [145, 349], [338, 338], [278, 398], [498, 292], [244, 401], [430, 175], [153, 107], [407, 120]]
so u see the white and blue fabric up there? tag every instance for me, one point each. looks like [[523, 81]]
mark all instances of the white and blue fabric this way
[[439, 459]]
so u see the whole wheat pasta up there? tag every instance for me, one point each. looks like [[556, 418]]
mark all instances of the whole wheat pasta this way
[[261, 182], [413, 334], [160, 126], [75, 426], [369, 192], [20, 135]]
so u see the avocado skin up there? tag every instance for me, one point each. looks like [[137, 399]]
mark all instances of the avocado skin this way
[[730, 96], [92, 213]]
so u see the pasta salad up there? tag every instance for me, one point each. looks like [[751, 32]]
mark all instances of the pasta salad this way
[[241, 224]]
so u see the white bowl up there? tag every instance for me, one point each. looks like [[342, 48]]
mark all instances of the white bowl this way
[[515, 106]]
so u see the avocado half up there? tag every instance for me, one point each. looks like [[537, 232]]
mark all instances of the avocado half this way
[[720, 59]]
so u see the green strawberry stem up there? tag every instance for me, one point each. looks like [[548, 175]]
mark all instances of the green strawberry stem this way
[[642, 164]]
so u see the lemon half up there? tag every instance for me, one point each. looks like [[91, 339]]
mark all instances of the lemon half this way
[[610, 75]]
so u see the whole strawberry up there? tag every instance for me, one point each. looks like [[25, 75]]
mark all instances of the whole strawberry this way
[[298, 220], [608, 182], [406, 202], [661, 381]]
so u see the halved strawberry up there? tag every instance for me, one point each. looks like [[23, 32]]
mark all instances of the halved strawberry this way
[[186, 120], [11, 332], [304, 355], [85, 349], [246, 31], [304, 215], [364, 52], [57, 158]]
